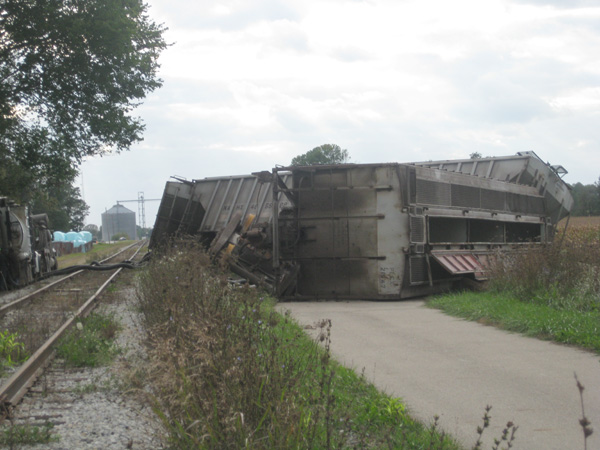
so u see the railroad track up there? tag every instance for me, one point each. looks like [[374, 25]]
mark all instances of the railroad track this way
[[42, 317]]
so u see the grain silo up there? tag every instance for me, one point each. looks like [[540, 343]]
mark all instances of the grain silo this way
[[116, 220]]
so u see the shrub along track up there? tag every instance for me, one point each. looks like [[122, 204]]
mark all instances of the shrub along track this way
[[41, 318]]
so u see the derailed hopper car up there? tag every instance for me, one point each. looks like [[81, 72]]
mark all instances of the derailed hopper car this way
[[369, 231]]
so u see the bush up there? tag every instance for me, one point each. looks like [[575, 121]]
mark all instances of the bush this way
[[564, 275]]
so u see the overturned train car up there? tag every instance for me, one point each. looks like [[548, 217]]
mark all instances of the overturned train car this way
[[369, 231], [25, 245]]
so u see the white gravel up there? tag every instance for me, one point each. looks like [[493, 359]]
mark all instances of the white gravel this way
[[97, 408]]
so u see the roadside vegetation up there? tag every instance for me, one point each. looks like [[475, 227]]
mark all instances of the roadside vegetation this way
[[551, 292], [230, 372], [97, 253]]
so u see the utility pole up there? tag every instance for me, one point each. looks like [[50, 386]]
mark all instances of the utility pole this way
[[141, 209], [141, 201]]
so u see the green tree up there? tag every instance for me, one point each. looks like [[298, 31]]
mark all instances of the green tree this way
[[475, 155], [71, 72], [92, 228], [586, 198], [323, 154], [76, 69], [143, 232], [63, 203]]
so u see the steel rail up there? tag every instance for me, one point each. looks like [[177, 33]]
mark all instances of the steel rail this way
[[15, 388], [21, 301]]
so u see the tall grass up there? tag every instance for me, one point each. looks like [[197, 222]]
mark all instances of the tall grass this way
[[229, 372], [564, 275]]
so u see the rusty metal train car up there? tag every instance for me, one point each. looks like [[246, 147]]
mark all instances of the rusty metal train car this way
[[25, 245], [369, 231]]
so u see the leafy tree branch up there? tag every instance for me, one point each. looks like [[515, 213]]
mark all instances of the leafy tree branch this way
[[71, 74], [323, 154]]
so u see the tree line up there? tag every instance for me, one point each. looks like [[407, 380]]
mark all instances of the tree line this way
[[586, 199]]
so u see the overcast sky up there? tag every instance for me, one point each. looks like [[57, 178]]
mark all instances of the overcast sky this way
[[249, 84]]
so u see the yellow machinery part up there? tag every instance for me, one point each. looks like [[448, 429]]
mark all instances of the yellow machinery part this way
[[248, 222]]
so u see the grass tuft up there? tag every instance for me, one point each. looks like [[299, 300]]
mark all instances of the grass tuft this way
[[91, 342], [17, 435]]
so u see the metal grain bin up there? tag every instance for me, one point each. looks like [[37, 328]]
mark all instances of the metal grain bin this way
[[116, 220]]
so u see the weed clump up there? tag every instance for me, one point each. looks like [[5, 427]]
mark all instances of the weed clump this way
[[12, 351], [230, 372], [90, 343], [584, 421], [564, 275], [17, 435]]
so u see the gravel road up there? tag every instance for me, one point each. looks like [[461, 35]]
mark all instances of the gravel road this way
[[454, 368]]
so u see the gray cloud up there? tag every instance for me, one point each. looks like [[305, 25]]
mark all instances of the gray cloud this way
[[185, 91], [351, 54], [587, 23], [486, 93], [566, 4], [288, 37], [292, 122], [199, 15], [496, 99]]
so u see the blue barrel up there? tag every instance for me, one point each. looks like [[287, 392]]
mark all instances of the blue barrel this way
[[59, 236], [86, 236], [72, 236]]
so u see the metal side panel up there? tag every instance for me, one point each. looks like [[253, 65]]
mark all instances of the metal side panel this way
[[351, 231], [393, 233], [505, 168], [461, 263], [179, 212], [223, 197], [525, 169]]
